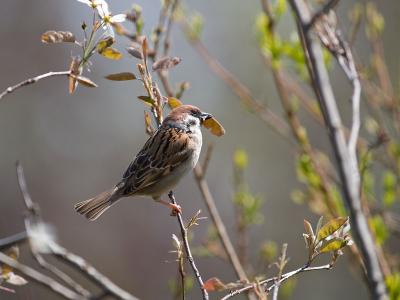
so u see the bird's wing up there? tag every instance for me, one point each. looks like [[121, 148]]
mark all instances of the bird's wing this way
[[161, 154]]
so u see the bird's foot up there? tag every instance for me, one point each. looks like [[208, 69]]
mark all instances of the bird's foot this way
[[175, 208]]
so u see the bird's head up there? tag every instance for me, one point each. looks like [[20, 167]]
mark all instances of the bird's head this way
[[188, 115]]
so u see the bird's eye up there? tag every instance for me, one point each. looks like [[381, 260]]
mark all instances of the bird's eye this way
[[192, 122]]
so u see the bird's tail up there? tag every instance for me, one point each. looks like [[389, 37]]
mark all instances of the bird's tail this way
[[94, 207]]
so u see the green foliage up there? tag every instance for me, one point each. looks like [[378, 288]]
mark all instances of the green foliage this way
[[248, 204], [269, 251], [240, 159], [389, 183], [375, 21], [306, 172], [287, 288], [337, 199], [270, 44], [380, 229], [195, 27], [279, 9], [393, 286]]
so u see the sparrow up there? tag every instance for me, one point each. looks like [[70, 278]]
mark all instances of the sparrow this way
[[172, 151]]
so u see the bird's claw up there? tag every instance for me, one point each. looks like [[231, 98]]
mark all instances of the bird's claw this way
[[175, 209]]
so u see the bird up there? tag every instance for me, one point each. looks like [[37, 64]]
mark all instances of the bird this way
[[171, 152]]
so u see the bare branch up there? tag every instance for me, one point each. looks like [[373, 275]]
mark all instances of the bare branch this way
[[269, 117], [40, 278], [60, 274], [89, 271], [9, 241], [348, 167], [284, 277], [63, 254], [187, 249], [219, 224], [32, 81]]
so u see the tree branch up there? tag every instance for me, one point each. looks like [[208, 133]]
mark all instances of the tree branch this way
[[58, 251], [9, 241], [284, 277], [40, 278], [348, 168], [187, 248], [32, 81]]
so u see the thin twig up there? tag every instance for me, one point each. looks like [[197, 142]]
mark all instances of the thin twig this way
[[167, 38], [284, 277], [210, 203], [346, 164], [63, 254], [89, 271], [31, 81], [40, 278], [219, 224], [207, 158], [187, 249], [60, 274], [244, 94], [9, 241]]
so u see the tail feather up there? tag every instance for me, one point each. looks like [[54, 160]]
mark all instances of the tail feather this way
[[96, 206]]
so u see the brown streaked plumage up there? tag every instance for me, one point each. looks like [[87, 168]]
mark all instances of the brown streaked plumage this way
[[171, 152]]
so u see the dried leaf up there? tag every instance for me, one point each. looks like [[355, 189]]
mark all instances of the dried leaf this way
[[84, 81], [147, 100], [135, 52], [76, 70], [334, 244], [308, 228], [111, 53], [105, 43], [121, 76], [331, 227], [166, 62], [144, 48], [52, 37], [319, 224], [173, 102], [214, 126]]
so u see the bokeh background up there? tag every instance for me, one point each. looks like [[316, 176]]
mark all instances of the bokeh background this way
[[73, 147]]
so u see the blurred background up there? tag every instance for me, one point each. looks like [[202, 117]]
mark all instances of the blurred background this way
[[74, 146]]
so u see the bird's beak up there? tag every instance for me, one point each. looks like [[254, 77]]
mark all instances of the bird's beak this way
[[205, 116]]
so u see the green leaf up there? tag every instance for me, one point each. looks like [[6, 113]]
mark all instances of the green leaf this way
[[240, 159], [280, 8], [333, 245], [147, 100], [331, 227], [379, 228], [121, 76], [393, 285], [389, 188]]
